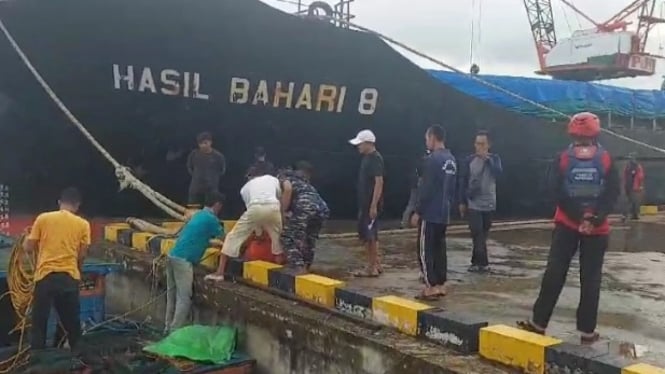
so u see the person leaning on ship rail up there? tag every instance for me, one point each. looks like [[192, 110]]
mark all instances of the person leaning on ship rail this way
[[190, 247]]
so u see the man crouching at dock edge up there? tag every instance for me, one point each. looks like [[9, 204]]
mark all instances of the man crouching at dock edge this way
[[61, 239], [587, 186]]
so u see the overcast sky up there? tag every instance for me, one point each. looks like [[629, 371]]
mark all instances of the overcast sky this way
[[504, 45]]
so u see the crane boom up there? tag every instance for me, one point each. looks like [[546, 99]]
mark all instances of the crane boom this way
[[541, 20]]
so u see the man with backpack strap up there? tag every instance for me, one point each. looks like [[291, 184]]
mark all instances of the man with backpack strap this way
[[587, 185]]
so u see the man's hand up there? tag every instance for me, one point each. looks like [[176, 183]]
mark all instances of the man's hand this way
[[462, 210], [586, 228], [483, 154], [373, 212], [415, 218]]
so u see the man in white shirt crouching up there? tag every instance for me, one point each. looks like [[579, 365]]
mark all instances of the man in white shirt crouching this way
[[261, 196]]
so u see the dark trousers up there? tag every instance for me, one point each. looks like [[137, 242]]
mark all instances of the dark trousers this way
[[633, 202], [61, 291], [479, 225], [565, 242], [432, 253]]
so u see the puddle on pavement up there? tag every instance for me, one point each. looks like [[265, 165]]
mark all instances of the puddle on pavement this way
[[631, 311]]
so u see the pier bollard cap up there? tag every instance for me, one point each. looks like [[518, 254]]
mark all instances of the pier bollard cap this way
[[364, 136]]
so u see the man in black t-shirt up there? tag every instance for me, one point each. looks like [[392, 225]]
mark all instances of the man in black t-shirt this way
[[370, 199]]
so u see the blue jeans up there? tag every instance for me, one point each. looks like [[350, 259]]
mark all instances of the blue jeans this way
[[179, 283]]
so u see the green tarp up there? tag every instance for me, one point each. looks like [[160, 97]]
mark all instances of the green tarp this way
[[214, 344]]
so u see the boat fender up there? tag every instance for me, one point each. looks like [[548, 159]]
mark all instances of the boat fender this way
[[316, 6]]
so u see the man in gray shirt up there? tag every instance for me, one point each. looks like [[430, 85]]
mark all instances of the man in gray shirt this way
[[477, 197], [206, 165]]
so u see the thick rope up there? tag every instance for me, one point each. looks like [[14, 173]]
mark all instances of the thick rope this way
[[123, 173]]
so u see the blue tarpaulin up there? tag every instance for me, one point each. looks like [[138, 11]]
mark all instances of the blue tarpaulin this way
[[568, 97]]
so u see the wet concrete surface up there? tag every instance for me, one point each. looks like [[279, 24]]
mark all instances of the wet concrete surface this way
[[632, 308]]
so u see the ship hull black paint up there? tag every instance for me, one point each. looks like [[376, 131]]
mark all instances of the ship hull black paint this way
[[193, 51]]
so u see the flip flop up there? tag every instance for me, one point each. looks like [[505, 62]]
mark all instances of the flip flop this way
[[423, 297], [366, 273], [528, 326]]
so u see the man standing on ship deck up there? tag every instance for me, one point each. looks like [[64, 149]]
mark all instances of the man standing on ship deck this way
[[586, 185], [477, 197], [61, 239], [188, 251], [370, 200], [261, 195], [206, 165], [435, 200]]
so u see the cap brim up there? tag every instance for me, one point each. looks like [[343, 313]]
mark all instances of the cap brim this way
[[355, 141]]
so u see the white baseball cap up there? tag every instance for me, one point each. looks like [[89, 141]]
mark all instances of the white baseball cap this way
[[364, 136]]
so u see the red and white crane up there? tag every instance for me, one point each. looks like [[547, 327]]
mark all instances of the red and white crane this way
[[609, 50]]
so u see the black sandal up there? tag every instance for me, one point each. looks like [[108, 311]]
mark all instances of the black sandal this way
[[423, 297], [528, 326]]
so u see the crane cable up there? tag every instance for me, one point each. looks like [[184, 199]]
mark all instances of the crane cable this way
[[123, 173], [486, 83]]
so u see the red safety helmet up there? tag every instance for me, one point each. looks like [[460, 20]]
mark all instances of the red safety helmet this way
[[585, 125]]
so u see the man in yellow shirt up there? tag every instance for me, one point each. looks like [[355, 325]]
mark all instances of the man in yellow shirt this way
[[61, 239]]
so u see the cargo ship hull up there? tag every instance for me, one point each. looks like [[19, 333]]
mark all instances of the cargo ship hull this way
[[146, 76]]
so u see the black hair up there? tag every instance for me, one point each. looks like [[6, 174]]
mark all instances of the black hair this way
[[70, 195], [438, 132], [484, 133], [213, 198], [259, 169], [304, 166], [203, 137]]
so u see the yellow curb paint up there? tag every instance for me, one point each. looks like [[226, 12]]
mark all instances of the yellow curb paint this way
[[316, 288], [642, 369], [398, 312], [257, 271], [514, 347]]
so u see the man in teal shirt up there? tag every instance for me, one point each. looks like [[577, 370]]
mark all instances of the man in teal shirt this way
[[189, 248]]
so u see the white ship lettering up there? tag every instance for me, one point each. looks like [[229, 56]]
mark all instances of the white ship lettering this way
[[167, 82], [289, 95]]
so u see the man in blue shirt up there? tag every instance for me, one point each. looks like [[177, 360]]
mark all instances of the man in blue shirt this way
[[435, 199], [189, 248]]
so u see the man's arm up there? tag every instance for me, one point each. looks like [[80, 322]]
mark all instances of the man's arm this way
[[190, 162], [31, 242], [83, 246], [222, 164], [286, 196], [610, 194], [495, 164], [376, 171], [427, 188], [463, 181]]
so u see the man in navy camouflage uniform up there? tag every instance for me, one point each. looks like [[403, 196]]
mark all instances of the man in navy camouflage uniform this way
[[304, 211]]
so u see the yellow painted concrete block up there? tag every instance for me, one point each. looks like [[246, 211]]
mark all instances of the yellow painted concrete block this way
[[228, 226], [642, 369], [140, 240], [398, 312], [167, 245], [172, 225], [257, 271], [111, 231], [318, 289], [514, 347], [210, 259], [649, 210]]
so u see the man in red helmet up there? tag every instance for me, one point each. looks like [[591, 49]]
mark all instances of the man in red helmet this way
[[587, 185]]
